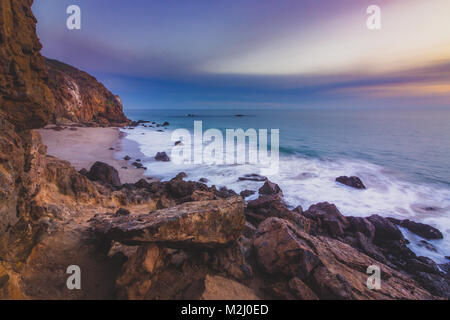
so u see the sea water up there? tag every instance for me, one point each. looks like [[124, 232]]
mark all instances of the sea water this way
[[402, 156]]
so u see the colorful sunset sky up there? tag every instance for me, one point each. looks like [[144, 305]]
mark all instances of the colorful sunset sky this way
[[243, 54]]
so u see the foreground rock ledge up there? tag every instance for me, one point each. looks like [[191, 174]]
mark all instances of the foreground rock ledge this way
[[202, 223]]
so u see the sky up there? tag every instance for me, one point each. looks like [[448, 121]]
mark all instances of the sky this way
[[257, 54]]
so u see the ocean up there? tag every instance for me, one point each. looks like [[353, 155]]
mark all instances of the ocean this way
[[402, 156]]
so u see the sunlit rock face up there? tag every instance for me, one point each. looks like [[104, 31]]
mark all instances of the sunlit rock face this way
[[81, 98]]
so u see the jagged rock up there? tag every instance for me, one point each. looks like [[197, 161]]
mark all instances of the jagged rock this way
[[104, 173], [424, 230], [220, 288], [339, 269], [122, 212], [247, 193], [280, 251], [180, 176], [384, 229], [204, 223], [127, 158], [25, 100], [252, 177], [328, 217], [81, 98], [353, 182], [69, 182], [162, 156], [270, 188]]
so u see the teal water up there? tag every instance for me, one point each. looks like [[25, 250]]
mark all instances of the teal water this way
[[402, 156]]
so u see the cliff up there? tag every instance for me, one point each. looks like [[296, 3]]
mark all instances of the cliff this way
[[81, 98], [25, 98]]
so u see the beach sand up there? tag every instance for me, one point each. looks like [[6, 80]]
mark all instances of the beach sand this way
[[84, 146]]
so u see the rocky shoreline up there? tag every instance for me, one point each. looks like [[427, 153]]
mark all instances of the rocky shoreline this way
[[166, 240]]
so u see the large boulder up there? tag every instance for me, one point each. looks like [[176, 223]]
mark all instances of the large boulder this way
[[270, 188], [385, 230], [81, 98], [353, 182], [202, 224], [329, 219], [162, 156], [104, 173]]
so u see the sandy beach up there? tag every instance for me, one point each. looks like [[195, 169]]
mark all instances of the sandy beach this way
[[84, 146]]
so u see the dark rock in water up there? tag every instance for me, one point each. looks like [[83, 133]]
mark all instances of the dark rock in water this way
[[239, 115], [427, 245], [104, 173], [122, 212], [165, 124], [424, 230], [447, 257], [178, 143], [247, 193], [203, 180], [252, 177], [84, 172], [137, 123], [137, 164], [160, 130], [180, 176], [127, 158], [138, 160], [270, 188], [162, 156], [111, 149], [125, 168], [353, 182]]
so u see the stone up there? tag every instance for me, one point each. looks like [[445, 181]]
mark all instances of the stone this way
[[162, 156], [353, 182], [104, 173]]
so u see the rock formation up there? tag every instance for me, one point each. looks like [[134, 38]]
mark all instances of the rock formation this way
[[80, 98]]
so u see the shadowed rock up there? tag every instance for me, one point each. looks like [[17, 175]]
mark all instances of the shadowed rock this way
[[270, 188], [162, 156], [353, 182], [104, 173]]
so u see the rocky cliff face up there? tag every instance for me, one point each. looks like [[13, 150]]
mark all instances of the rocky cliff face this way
[[25, 99], [81, 98]]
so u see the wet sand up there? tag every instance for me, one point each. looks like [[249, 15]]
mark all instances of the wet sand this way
[[84, 146]]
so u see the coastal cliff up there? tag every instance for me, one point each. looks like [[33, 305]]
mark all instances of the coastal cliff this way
[[25, 98], [80, 98], [132, 239]]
